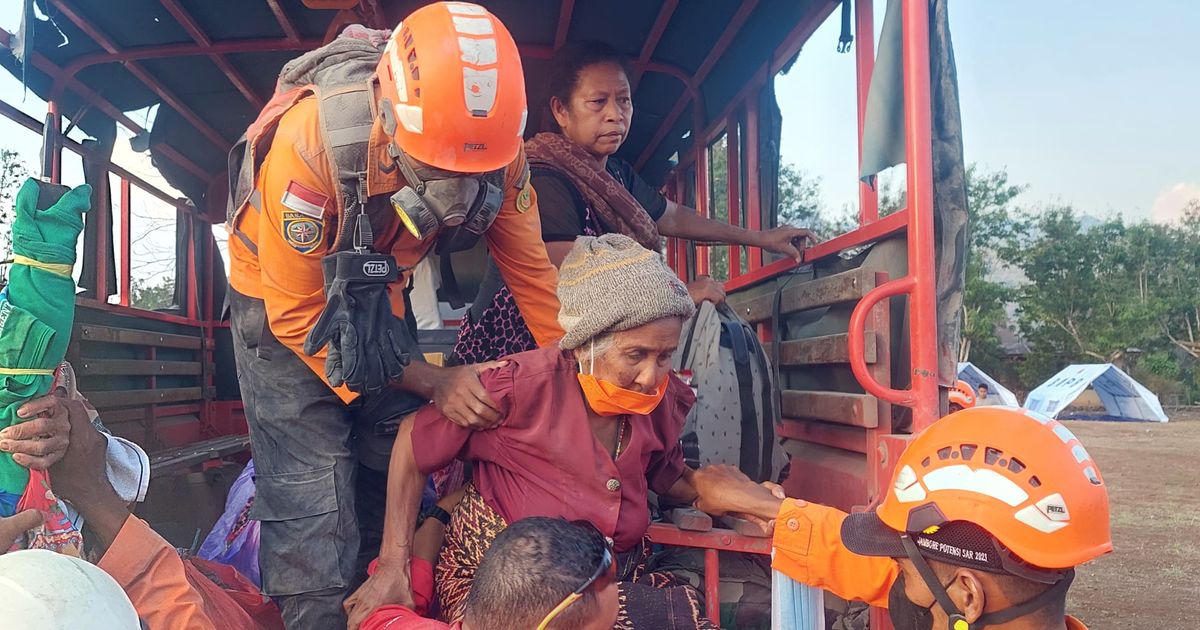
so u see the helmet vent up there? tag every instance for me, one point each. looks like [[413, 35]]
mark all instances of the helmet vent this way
[[1015, 465], [944, 453], [991, 456], [1035, 482], [968, 451]]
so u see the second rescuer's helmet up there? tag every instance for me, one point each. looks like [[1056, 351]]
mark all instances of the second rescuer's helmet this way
[[997, 489], [451, 76], [962, 396]]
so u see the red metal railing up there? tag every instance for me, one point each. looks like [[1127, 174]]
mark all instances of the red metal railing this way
[[712, 542], [216, 418]]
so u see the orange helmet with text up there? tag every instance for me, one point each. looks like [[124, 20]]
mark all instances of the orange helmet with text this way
[[962, 395], [453, 91], [1011, 475]]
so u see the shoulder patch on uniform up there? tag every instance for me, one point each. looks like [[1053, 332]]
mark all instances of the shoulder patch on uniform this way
[[525, 198], [304, 200], [303, 233]]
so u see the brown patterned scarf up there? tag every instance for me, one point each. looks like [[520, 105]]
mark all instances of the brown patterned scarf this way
[[607, 197]]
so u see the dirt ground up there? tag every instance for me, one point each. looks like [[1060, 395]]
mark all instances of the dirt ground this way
[[1152, 580]]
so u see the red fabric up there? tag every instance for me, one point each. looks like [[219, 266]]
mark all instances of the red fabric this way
[[401, 618], [56, 532], [544, 460], [420, 575], [231, 601]]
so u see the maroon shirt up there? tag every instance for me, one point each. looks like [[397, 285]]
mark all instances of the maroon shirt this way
[[544, 460]]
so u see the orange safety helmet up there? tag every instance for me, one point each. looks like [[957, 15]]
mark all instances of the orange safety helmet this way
[[453, 91], [962, 395], [991, 475]]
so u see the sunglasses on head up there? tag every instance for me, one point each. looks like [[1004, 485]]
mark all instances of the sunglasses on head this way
[[606, 569]]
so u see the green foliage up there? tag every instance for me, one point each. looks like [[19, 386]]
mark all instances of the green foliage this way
[[1104, 292], [160, 295], [993, 222], [12, 174]]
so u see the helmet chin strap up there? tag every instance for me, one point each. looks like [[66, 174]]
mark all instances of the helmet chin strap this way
[[958, 621]]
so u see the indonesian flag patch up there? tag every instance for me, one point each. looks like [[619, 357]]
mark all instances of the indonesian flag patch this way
[[304, 200]]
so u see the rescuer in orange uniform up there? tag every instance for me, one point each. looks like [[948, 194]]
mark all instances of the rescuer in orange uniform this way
[[989, 511], [363, 162]]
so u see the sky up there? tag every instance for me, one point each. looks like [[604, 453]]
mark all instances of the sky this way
[[1086, 102]]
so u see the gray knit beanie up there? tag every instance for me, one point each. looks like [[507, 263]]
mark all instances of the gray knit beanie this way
[[611, 283]]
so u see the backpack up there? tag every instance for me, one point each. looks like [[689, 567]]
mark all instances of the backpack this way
[[340, 76], [733, 420]]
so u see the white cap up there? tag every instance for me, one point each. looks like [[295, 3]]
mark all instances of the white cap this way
[[44, 590]]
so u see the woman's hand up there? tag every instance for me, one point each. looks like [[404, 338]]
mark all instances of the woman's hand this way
[[705, 288], [723, 489], [41, 442], [391, 584], [786, 240]]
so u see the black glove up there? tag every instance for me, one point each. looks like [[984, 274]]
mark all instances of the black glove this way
[[368, 345]]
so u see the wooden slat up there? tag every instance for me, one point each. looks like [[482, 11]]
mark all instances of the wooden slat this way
[[134, 367], [847, 286], [856, 410], [824, 433], [140, 397], [822, 350], [90, 332], [114, 417]]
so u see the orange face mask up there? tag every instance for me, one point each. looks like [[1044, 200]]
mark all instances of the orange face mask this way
[[607, 399]]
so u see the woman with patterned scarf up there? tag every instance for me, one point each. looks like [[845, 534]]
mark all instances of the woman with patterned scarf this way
[[583, 189], [589, 429]]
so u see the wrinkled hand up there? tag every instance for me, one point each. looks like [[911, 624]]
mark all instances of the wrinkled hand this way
[[705, 288], [389, 585], [723, 489], [462, 398], [786, 240], [767, 524], [81, 475], [15, 525], [41, 442]]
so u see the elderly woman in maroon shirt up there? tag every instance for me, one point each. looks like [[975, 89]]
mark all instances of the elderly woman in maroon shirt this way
[[589, 428]]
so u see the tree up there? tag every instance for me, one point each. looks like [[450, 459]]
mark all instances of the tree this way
[[801, 205], [1108, 292], [153, 296], [994, 222], [12, 174]]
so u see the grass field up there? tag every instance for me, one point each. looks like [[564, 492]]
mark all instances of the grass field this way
[[1153, 475]]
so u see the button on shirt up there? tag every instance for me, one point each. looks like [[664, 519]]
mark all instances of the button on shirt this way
[[544, 460]]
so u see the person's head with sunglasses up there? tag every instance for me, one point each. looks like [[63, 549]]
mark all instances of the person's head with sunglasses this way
[[544, 574]]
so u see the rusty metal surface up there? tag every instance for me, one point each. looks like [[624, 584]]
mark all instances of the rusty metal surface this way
[[824, 433], [137, 367], [839, 288], [140, 397], [857, 410], [719, 539], [91, 332], [822, 350], [199, 452]]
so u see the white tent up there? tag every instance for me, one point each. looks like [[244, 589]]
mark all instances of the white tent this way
[[1123, 397], [997, 393]]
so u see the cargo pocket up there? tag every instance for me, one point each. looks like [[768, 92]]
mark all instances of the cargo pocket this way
[[302, 546]]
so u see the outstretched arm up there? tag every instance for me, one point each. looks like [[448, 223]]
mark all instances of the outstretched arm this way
[[391, 583]]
